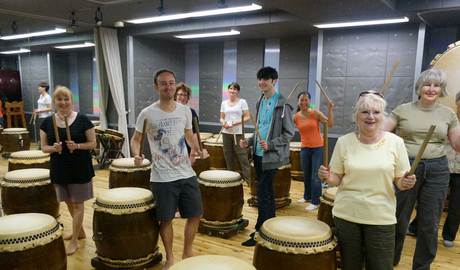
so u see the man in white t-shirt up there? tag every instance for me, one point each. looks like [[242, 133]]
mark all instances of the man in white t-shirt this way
[[173, 181]]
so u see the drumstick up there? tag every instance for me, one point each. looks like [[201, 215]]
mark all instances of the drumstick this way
[[255, 127], [386, 84], [234, 138], [220, 133], [323, 92], [141, 146], [292, 91], [56, 131], [326, 145], [242, 124], [32, 119], [67, 131], [197, 129], [421, 150]]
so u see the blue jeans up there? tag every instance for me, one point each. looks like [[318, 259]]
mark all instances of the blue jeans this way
[[311, 160], [429, 192], [265, 198]]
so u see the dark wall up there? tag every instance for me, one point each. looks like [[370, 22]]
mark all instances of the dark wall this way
[[436, 42], [211, 77], [359, 59], [9, 62], [150, 55], [34, 69], [60, 68], [85, 81]]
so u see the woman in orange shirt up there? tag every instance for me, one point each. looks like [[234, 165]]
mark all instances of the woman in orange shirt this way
[[307, 121]]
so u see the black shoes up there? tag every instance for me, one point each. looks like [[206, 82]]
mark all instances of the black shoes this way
[[250, 242]]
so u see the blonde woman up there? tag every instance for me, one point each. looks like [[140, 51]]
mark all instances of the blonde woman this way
[[69, 157]]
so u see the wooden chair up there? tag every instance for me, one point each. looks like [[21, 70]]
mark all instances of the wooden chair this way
[[14, 111]]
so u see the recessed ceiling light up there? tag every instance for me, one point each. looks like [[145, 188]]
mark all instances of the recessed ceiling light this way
[[75, 46], [35, 34], [16, 51], [362, 23], [195, 14], [212, 34]]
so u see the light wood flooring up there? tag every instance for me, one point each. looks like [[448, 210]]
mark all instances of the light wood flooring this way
[[447, 259]]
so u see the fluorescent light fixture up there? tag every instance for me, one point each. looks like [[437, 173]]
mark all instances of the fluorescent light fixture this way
[[196, 14], [212, 34], [75, 46], [16, 51], [34, 34], [362, 23]]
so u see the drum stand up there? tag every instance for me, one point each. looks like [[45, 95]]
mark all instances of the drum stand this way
[[98, 264], [226, 231]]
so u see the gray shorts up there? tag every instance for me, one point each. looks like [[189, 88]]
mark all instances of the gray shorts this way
[[182, 194], [76, 193]]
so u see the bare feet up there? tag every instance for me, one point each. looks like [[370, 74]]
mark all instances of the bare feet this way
[[168, 264], [68, 236], [186, 255], [71, 248]]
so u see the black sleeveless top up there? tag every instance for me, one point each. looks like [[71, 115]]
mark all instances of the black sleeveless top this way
[[70, 168]]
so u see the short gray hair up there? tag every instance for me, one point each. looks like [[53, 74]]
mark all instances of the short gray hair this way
[[366, 101], [432, 75]]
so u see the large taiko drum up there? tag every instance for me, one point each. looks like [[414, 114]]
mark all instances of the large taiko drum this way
[[29, 191], [113, 142], [296, 163], [216, 153], [325, 208], [28, 159], [449, 62], [212, 262], [123, 173], [125, 230], [31, 241], [222, 196], [15, 139], [293, 243], [205, 135], [281, 187]]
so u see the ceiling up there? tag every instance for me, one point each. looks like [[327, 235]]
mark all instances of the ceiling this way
[[277, 18]]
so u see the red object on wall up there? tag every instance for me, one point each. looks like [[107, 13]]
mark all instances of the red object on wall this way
[[10, 84]]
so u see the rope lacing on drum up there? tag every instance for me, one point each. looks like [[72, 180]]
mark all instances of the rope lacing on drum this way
[[31, 158], [125, 206], [291, 244], [221, 181], [26, 181], [128, 263], [30, 238]]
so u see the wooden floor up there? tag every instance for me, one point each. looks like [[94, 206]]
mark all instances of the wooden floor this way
[[446, 258]]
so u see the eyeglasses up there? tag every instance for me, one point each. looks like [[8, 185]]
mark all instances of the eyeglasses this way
[[373, 92]]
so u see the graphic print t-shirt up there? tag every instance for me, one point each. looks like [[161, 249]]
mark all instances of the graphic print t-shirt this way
[[165, 132]]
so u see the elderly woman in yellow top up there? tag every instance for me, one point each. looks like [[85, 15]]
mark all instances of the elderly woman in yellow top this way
[[366, 165], [411, 121]]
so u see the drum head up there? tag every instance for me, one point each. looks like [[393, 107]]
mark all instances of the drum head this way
[[299, 235], [295, 146], [205, 135], [248, 135], [214, 141], [128, 163], [27, 177], [220, 178], [24, 231], [449, 62], [124, 200], [29, 154], [15, 131], [96, 122], [330, 193], [212, 262]]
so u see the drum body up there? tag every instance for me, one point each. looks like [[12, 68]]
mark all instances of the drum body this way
[[209, 262], [15, 139], [28, 159], [31, 241], [200, 165], [296, 162], [326, 205], [222, 195], [281, 187], [123, 173], [124, 227], [29, 191], [216, 153], [293, 243]]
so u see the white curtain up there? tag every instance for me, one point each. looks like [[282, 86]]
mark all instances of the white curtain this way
[[109, 52]]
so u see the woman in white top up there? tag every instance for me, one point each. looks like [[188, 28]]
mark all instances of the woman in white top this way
[[366, 165], [44, 105], [231, 112]]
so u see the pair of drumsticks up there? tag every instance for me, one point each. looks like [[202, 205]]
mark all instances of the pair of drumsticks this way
[[56, 131]]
